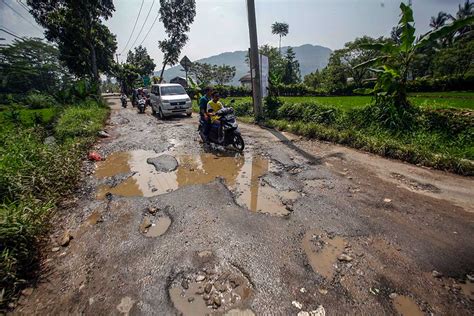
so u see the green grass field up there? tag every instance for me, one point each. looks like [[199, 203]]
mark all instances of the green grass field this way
[[436, 100]]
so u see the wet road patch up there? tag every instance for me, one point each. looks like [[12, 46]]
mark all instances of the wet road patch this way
[[146, 174], [322, 251], [154, 223], [210, 291], [406, 306]]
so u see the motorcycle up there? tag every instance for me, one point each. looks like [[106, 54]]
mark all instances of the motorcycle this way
[[123, 98], [141, 105], [230, 128]]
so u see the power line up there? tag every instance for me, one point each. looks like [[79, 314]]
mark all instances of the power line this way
[[23, 6], [8, 32], [156, 18], [19, 14], [133, 30], [143, 25]]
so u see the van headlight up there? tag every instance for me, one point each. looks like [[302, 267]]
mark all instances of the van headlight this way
[[165, 101]]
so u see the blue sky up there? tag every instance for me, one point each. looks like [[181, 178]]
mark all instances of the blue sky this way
[[221, 25]]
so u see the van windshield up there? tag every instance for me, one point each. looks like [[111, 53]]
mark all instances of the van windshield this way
[[172, 90]]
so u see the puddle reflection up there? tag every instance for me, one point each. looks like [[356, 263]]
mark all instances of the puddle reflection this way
[[241, 174]]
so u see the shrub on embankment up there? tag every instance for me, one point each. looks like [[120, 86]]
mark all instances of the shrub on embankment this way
[[442, 139], [34, 175]]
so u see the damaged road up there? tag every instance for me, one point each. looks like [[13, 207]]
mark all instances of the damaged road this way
[[289, 226]]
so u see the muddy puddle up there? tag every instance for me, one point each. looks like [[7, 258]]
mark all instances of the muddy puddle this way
[[155, 226], [213, 291], [241, 173], [322, 252], [467, 289], [406, 306]]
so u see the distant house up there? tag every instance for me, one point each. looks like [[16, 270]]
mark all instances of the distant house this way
[[180, 80], [246, 81]]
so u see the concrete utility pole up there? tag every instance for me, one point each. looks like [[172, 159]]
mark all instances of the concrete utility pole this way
[[116, 56], [254, 61]]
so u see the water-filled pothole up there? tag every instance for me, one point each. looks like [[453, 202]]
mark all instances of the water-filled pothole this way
[[322, 251], [406, 306], [241, 174], [215, 290]]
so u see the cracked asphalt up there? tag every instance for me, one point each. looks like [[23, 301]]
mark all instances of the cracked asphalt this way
[[306, 225]]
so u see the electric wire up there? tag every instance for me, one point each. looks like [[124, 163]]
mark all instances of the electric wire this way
[[133, 30], [10, 33], [143, 25], [20, 15], [153, 24]]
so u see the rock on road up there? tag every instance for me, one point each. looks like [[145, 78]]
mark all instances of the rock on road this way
[[290, 226]]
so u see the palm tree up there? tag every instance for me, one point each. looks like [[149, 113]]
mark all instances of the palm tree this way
[[465, 11], [280, 28], [438, 21]]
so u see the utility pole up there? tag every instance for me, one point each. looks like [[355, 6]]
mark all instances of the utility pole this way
[[254, 61], [116, 56]]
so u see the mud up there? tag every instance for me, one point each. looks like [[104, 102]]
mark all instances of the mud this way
[[322, 252], [207, 219], [405, 306], [468, 289], [241, 173], [216, 290]]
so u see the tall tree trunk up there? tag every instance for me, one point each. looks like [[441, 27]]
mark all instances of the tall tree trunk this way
[[95, 72], [279, 47], [162, 70]]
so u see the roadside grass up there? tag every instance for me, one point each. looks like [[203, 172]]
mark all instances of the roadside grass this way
[[435, 100], [15, 115], [34, 177]]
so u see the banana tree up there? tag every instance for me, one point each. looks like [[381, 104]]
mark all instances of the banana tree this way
[[393, 65]]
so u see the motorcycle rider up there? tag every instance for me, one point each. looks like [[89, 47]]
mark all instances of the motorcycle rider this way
[[203, 101], [123, 98], [213, 106]]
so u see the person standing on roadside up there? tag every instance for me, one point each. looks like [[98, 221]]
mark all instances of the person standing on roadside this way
[[203, 101]]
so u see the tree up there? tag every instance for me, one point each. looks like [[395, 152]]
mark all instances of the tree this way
[[177, 16], [291, 72], [394, 64], [202, 72], [31, 64], [354, 54], [314, 79], [276, 63], [438, 21], [281, 29], [223, 74], [127, 75], [205, 73], [85, 44], [141, 60]]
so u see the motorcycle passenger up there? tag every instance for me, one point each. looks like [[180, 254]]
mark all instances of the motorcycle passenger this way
[[203, 101], [212, 107]]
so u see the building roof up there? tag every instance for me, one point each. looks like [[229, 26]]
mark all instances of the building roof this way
[[178, 78], [246, 77]]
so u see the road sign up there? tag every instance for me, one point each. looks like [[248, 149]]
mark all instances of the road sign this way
[[264, 70], [185, 63], [146, 81]]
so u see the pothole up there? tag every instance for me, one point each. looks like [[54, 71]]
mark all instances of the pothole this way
[[322, 251], [414, 184], [467, 288], [155, 223], [148, 177], [213, 291], [406, 306]]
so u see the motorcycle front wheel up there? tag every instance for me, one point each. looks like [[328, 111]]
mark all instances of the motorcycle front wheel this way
[[238, 143]]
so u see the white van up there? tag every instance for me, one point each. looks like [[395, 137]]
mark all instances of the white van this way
[[169, 99]]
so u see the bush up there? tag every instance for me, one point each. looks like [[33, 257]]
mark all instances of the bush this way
[[36, 100], [84, 120], [20, 225], [33, 178], [243, 108]]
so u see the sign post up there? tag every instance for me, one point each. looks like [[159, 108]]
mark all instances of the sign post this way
[[264, 70], [186, 64]]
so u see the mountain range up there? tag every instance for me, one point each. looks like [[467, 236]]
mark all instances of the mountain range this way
[[310, 57]]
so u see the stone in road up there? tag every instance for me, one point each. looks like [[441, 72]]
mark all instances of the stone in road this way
[[270, 230]]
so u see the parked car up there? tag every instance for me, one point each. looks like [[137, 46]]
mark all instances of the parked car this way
[[170, 99]]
